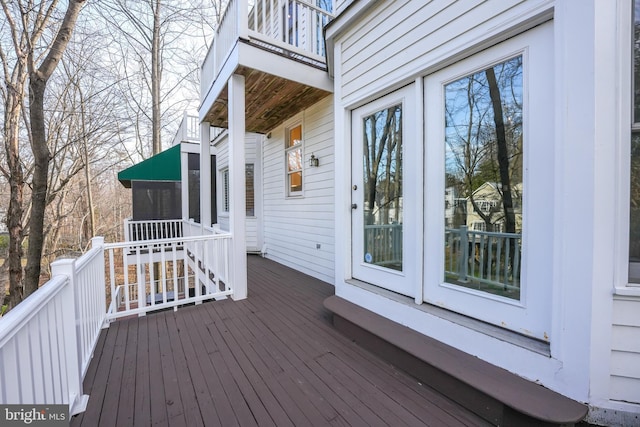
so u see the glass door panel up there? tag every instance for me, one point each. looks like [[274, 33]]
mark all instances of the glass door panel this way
[[489, 146], [382, 216], [483, 176], [382, 177]]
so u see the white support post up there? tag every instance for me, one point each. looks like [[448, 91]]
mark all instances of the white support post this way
[[184, 183], [237, 202], [77, 400], [205, 176]]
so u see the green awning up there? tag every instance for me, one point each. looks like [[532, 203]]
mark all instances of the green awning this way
[[164, 166]]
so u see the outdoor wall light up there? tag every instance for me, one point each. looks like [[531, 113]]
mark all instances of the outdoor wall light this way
[[314, 161]]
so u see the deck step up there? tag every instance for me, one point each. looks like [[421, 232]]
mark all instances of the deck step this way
[[495, 394]]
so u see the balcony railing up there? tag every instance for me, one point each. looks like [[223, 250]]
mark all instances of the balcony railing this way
[[47, 341], [189, 130], [294, 27]]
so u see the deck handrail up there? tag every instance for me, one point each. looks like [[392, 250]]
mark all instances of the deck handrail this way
[[47, 341], [168, 273], [135, 230]]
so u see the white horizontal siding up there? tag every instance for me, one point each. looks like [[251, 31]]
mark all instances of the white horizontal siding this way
[[294, 227], [625, 351], [399, 40]]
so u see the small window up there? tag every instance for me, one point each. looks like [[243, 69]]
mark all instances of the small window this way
[[293, 158], [249, 189], [225, 190]]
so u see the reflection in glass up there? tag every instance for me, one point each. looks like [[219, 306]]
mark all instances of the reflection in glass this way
[[636, 60], [383, 188], [483, 179], [294, 160], [634, 226]]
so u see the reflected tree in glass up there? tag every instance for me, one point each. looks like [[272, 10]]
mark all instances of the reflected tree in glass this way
[[483, 175], [382, 167]]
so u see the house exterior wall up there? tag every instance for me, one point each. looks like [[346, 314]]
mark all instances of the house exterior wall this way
[[299, 230], [253, 156], [594, 315]]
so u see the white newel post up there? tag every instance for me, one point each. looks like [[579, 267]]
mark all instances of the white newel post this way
[[205, 176], [237, 185], [98, 242], [77, 400]]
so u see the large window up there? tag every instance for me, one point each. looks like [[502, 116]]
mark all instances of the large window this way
[[293, 154], [483, 164], [634, 228]]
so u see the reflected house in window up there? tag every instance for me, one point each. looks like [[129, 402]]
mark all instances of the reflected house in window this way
[[485, 211], [455, 208]]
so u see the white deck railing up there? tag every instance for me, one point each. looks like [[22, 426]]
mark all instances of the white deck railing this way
[[188, 131], [483, 257], [152, 275], [152, 229], [47, 341], [292, 26]]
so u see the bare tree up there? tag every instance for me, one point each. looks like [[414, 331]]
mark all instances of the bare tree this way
[[155, 39], [34, 57]]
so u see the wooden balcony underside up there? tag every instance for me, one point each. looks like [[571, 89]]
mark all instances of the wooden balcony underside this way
[[272, 359], [269, 101]]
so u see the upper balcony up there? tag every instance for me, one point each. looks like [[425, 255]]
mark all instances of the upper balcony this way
[[278, 46]]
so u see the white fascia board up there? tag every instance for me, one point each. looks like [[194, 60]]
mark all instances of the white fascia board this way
[[190, 147], [268, 62], [230, 66]]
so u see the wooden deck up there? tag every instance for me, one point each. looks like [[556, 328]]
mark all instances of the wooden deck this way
[[273, 359]]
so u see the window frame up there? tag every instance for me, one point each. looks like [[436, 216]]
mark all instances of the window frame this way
[[530, 314], [628, 126]]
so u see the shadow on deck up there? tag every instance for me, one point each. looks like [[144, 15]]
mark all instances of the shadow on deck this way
[[273, 359]]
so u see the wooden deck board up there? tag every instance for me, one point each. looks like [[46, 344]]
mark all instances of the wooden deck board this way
[[374, 373], [142, 403], [273, 359]]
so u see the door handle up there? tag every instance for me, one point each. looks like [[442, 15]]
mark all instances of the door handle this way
[[354, 206]]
